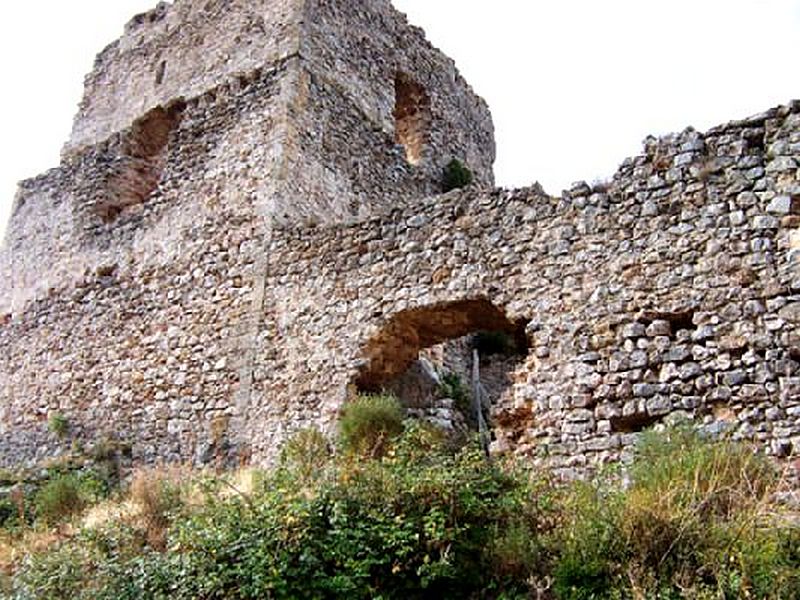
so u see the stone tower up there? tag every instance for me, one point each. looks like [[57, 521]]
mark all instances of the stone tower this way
[[133, 273]]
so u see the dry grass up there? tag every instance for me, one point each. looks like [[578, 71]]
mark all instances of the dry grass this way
[[158, 495], [154, 498], [243, 482], [108, 512], [13, 547]]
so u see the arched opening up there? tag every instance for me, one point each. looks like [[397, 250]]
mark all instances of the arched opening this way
[[447, 363], [412, 114]]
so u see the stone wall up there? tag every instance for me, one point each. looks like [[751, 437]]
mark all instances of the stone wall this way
[[137, 327], [342, 152], [177, 50], [213, 266], [223, 154], [669, 292], [352, 157], [133, 275]]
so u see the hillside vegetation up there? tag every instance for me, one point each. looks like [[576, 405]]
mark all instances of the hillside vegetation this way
[[399, 511]]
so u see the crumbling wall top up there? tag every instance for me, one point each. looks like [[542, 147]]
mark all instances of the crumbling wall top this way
[[180, 50]]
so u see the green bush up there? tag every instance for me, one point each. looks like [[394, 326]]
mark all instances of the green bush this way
[[587, 541], [306, 454], [414, 524], [456, 175], [425, 520], [64, 496], [453, 387], [369, 423], [692, 519], [9, 513], [58, 574]]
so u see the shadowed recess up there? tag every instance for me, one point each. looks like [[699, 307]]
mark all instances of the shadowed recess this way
[[139, 169], [398, 343], [412, 115]]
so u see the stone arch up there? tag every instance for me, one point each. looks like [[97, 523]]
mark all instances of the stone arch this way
[[398, 343], [412, 114], [418, 350]]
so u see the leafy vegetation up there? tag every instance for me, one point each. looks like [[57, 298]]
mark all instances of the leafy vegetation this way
[[695, 522], [456, 175], [66, 495], [159, 495], [453, 387], [422, 519], [369, 423]]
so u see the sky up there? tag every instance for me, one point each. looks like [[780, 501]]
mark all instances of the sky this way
[[574, 85]]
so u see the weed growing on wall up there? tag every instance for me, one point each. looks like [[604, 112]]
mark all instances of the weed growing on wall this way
[[456, 175], [58, 424]]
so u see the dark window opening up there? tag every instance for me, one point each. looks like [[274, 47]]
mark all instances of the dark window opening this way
[[633, 423], [160, 71]]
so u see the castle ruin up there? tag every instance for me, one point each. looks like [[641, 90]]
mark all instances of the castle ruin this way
[[246, 229]]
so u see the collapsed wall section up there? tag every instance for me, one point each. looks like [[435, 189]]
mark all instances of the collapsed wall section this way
[[178, 50], [134, 198], [378, 114]]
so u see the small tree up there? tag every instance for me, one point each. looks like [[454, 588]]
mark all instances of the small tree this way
[[456, 175]]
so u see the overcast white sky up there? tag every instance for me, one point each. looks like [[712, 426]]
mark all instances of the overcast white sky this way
[[574, 85]]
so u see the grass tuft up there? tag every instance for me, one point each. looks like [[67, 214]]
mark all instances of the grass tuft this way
[[369, 424]]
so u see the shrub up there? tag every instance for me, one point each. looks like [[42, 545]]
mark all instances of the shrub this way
[[58, 424], [63, 497], [696, 512], [456, 175], [420, 522], [425, 520], [9, 513], [587, 541], [452, 387], [159, 494], [306, 454], [369, 423], [57, 574], [693, 518]]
